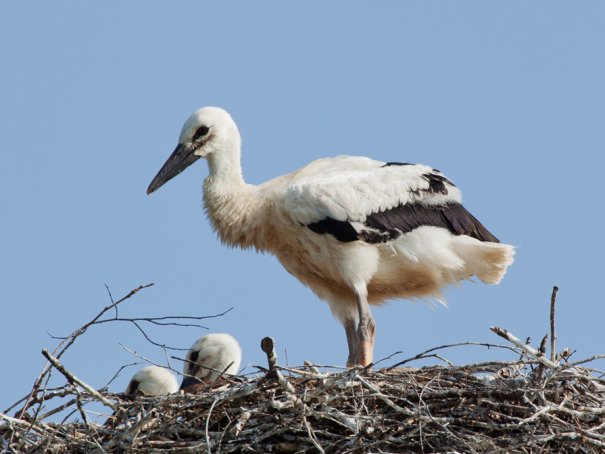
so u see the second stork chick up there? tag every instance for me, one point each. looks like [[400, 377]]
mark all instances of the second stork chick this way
[[210, 357], [152, 381]]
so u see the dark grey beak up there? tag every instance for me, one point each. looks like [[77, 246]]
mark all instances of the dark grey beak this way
[[181, 158], [188, 381]]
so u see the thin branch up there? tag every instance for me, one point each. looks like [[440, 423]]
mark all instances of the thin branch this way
[[424, 355], [81, 410], [59, 409], [151, 341], [158, 321], [312, 436], [553, 337], [526, 348], [221, 373], [587, 360], [68, 341], [117, 374], [112, 301], [76, 381], [208, 444]]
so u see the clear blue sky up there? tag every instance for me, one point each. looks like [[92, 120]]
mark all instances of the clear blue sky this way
[[506, 98]]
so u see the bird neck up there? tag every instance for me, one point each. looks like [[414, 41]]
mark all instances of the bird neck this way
[[224, 164], [236, 210]]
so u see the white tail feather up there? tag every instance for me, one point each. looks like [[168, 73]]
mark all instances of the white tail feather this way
[[487, 261]]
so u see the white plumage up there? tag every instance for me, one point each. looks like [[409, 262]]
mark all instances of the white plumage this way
[[355, 230], [210, 357], [153, 381], [351, 188]]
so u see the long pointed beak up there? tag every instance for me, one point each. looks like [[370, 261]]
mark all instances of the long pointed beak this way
[[181, 158]]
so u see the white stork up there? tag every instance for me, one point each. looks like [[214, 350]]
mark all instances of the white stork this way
[[210, 357], [153, 381], [355, 230]]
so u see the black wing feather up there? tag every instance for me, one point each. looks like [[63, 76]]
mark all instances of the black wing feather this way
[[452, 216], [390, 224]]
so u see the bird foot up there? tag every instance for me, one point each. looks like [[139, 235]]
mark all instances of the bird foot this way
[[366, 333], [352, 359], [365, 354]]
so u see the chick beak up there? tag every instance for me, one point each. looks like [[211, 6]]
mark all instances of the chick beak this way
[[189, 380]]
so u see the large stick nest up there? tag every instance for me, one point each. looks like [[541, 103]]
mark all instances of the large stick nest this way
[[489, 407], [530, 404]]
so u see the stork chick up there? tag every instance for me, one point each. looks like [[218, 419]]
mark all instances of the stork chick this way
[[210, 357], [153, 381], [355, 230]]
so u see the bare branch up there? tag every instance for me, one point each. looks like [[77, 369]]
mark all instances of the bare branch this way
[[526, 348], [222, 373], [76, 381], [553, 337], [68, 341], [425, 355]]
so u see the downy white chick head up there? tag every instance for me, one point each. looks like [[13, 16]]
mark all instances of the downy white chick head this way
[[153, 381], [210, 357]]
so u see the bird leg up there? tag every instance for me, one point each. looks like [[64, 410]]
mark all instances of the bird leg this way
[[351, 331], [366, 331]]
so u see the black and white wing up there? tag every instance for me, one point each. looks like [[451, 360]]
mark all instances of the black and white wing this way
[[360, 199]]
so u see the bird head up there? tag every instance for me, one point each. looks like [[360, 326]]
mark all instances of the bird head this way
[[152, 381], [207, 131], [210, 357]]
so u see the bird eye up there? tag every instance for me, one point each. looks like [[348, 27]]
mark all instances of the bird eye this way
[[201, 132], [194, 355]]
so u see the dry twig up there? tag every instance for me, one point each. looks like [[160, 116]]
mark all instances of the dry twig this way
[[553, 337]]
